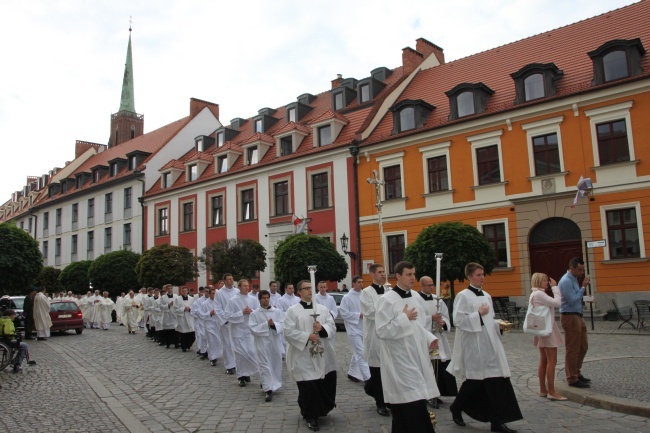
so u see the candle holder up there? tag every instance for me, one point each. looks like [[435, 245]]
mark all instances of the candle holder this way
[[316, 348]]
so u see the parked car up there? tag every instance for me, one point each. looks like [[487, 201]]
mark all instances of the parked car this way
[[340, 324], [19, 321], [66, 315]]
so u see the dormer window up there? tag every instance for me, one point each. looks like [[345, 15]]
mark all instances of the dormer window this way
[[166, 180], [95, 176], [338, 101], [467, 99], [324, 135], [222, 164], [410, 114], [264, 121], [114, 169], [199, 144], [536, 81], [192, 172], [343, 95], [132, 162], [617, 59], [291, 114], [221, 138], [259, 126], [298, 110], [286, 146], [369, 88], [364, 92], [251, 155]]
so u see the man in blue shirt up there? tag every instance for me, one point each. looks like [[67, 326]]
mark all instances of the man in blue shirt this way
[[575, 330]]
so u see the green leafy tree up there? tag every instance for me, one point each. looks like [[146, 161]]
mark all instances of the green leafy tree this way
[[49, 278], [74, 277], [296, 252], [240, 257], [115, 272], [460, 244], [166, 264], [21, 260]]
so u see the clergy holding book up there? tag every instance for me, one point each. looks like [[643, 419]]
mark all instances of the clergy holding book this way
[[404, 345], [480, 360], [305, 324]]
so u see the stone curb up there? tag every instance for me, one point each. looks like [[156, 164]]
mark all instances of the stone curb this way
[[587, 397]]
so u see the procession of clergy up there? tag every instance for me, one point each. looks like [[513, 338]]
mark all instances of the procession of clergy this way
[[397, 337]]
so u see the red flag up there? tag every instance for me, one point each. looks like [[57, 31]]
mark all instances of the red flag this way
[[295, 220]]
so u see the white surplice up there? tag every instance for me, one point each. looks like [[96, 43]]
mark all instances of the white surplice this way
[[119, 309], [275, 297], [86, 306], [166, 304], [221, 298], [434, 306], [242, 339], [298, 325], [368, 305], [130, 317], [286, 301], [406, 371], [184, 319], [42, 319], [478, 352], [268, 344], [212, 325], [199, 323], [351, 312], [147, 309], [106, 307]]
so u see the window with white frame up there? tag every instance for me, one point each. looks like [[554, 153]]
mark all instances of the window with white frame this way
[[188, 216], [247, 204], [90, 241], [192, 172], [622, 225], [128, 195], [221, 138], [611, 134], [392, 171], [252, 155], [544, 146], [395, 246], [496, 233], [217, 210], [222, 164], [163, 221], [281, 198], [486, 157], [73, 244], [108, 238], [324, 135], [108, 203], [319, 188], [127, 234], [435, 165]]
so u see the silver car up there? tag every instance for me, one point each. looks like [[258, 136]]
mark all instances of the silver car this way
[[338, 297]]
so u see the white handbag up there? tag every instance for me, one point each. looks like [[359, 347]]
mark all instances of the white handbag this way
[[538, 321]]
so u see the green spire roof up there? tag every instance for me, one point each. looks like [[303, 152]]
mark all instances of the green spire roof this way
[[127, 103]]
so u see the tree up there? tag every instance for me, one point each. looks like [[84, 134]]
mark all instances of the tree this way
[[166, 264], [296, 252], [115, 272], [240, 257], [20, 260], [49, 278], [460, 244], [74, 277]]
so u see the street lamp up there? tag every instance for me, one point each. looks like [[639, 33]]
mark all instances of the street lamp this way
[[344, 247]]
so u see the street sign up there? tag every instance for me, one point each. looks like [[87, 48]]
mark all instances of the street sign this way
[[596, 244]]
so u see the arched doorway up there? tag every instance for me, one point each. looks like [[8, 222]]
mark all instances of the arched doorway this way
[[552, 243]]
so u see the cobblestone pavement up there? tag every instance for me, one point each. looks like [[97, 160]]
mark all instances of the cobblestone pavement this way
[[109, 381]]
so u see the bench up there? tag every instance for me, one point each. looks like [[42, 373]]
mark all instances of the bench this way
[[643, 313], [625, 314]]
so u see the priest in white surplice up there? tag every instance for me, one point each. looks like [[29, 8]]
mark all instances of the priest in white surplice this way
[[480, 360], [166, 303], [130, 316], [42, 320], [106, 307], [275, 296], [86, 306], [266, 324], [119, 308], [315, 376], [438, 314], [199, 324], [96, 310], [351, 314], [147, 309], [184, 320], [212, 324], [368, 304], [238, 310], [156, 317], [221, 298], [289, 299], [404, 345]]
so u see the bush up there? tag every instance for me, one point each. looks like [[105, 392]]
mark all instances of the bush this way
[[115, 272], [74, 277], [296, 252], [21, 260], [166, 264]]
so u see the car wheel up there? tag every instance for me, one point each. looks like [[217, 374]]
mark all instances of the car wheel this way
[[79, 330]]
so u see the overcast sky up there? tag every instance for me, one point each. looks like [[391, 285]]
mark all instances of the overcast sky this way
[[63, 61]]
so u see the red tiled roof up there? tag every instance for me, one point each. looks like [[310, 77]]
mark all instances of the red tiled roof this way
[[566, 47], [354, 115], [174, 163], [196, 156]]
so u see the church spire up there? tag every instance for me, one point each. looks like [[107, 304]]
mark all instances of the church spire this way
[[127, 102]]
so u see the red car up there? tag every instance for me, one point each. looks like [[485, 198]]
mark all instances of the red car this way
[[66, 315]]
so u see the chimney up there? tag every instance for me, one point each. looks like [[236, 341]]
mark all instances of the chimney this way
[[336, 83], [427, 48], [196, 105], [411, 59]]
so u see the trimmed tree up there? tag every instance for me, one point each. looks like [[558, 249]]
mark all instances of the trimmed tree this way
[[240, 257], [115, 272], [74, 277], [296, 252], [49, 278], [460, 244], [166, 264], [21, 260]]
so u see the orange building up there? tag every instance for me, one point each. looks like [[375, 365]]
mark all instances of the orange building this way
[[500, 139]]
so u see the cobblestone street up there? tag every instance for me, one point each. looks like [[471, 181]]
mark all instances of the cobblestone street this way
[[109, 381]]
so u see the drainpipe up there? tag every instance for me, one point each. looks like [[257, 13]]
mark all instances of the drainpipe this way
[[354, 151], [140, 178]]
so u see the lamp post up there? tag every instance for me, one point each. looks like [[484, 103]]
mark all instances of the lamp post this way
[[344, 247]]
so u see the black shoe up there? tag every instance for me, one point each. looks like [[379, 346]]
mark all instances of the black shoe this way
[[176, 346], [247, 378], [381, 410], [242, 382], [213, 362], [17, 368], [457, 417], [584, 379], [502, 428], [198, 352], [269, 396], [353, 379], [580, 384], [312, 424], [230, 371], [184, 349], [204, 355], [167, 347], [161, 344]]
